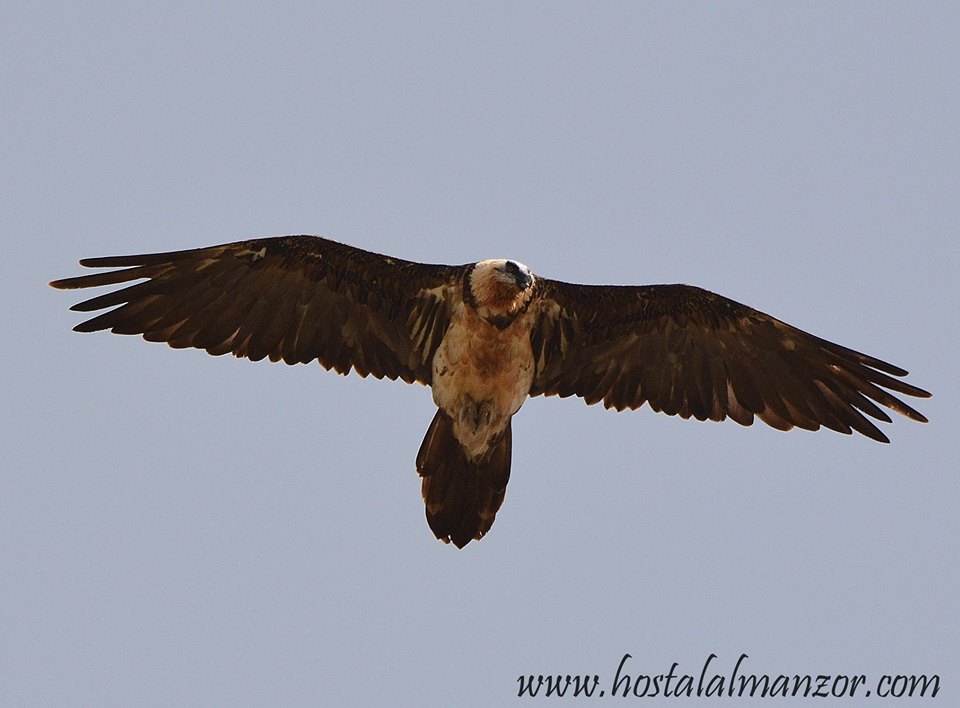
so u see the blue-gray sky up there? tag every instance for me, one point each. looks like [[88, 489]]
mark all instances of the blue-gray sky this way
[[177, 529]]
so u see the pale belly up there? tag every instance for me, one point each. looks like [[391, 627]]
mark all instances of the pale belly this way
[[481, 377]]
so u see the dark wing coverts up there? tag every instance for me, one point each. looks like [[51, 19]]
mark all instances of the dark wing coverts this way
[[691, 352], [291, 298]]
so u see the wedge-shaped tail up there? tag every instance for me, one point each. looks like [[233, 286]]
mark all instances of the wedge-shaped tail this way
[[462, 496]]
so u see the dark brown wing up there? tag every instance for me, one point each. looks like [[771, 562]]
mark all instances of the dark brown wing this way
[[291, 298], [690, 352]]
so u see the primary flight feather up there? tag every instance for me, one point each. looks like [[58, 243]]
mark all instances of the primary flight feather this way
[[485, 336]]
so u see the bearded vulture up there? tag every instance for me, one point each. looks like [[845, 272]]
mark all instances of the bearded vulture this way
[[485, 336]]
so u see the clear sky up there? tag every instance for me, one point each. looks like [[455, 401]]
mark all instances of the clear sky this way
[[178, 529]]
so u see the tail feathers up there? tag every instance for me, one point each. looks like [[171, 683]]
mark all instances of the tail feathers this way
[[462, 496]]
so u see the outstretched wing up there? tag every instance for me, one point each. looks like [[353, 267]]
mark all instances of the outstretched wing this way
[[691, 352], [290, 298]]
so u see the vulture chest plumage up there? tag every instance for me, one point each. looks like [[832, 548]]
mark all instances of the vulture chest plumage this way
[[481, 376]]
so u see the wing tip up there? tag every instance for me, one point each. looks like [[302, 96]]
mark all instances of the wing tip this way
[[114, 261], [62, 284], [85, 327], [913, 414], [920, 393]]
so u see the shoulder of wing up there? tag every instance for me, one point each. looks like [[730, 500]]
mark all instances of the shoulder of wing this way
[[616, 307]]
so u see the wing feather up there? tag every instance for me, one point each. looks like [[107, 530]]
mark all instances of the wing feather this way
[[690, 352], [292, 298]]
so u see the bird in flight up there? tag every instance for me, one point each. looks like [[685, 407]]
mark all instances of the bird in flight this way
[[485, 336]]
